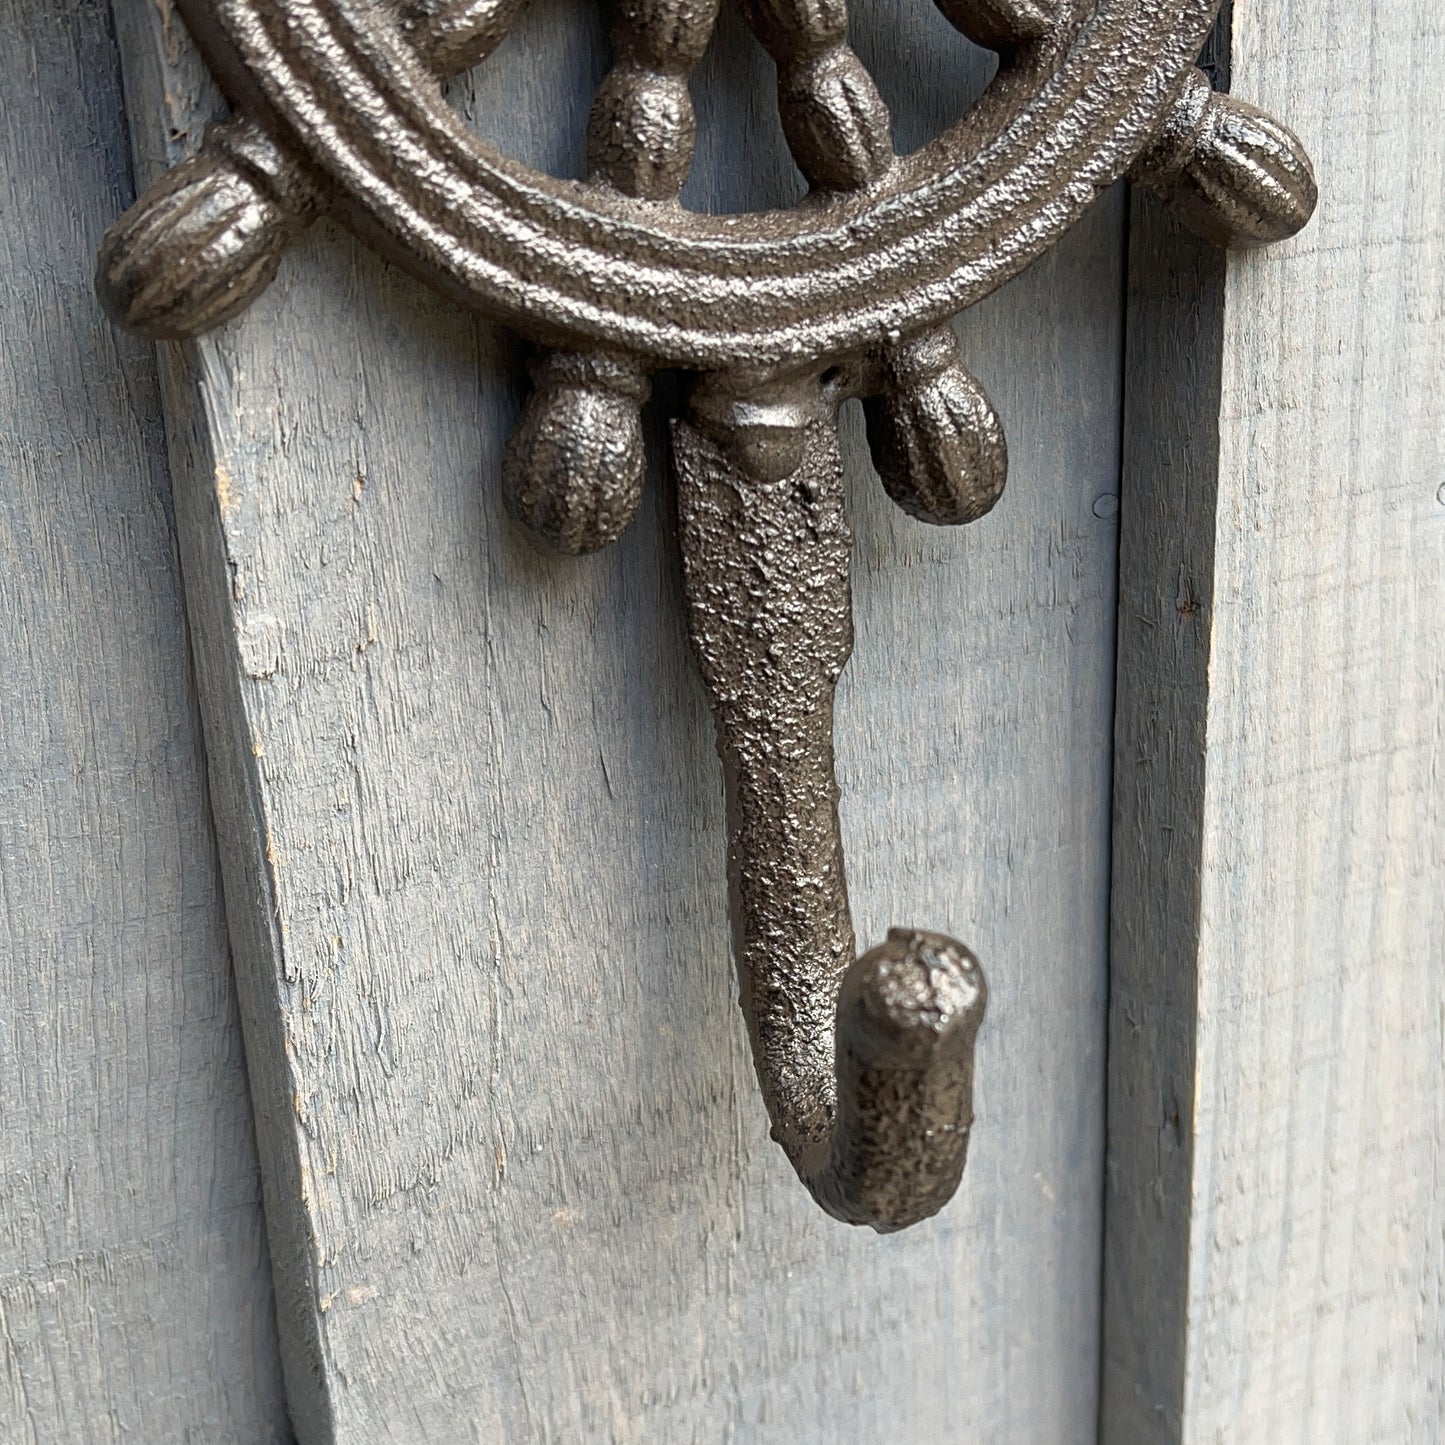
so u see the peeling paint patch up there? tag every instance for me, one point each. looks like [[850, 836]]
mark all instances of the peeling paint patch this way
[[262, 640]]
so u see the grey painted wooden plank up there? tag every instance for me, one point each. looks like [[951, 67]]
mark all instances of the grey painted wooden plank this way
[[519, 1184], [135, 1297], [1276, 1222]]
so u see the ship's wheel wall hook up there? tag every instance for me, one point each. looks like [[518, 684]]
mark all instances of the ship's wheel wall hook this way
[[866, 1063]]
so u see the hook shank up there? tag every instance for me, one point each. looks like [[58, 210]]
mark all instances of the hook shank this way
[[866, 1064]]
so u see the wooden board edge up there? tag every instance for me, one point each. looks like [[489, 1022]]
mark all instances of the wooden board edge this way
[[168, 100], [1169, 491]]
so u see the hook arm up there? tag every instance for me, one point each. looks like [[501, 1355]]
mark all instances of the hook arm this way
[[866, 1064]]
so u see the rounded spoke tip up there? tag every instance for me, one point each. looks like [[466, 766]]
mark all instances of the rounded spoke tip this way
[[205, 240], [1230, 171], [573, 470]]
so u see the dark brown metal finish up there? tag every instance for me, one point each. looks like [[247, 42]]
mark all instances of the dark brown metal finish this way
[[866, 1063], [765, 569]]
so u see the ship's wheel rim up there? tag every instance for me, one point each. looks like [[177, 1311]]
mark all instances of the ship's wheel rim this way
[[578, 264]]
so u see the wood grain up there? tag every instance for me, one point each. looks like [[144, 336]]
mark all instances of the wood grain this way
[[519, 1185], [135, 1297], [1276, 1245]]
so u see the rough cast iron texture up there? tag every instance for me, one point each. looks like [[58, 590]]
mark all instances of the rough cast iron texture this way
[[866, 1063]]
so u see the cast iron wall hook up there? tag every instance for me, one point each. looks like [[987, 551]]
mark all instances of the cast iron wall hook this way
[[866, 1063], [874, 1114]]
